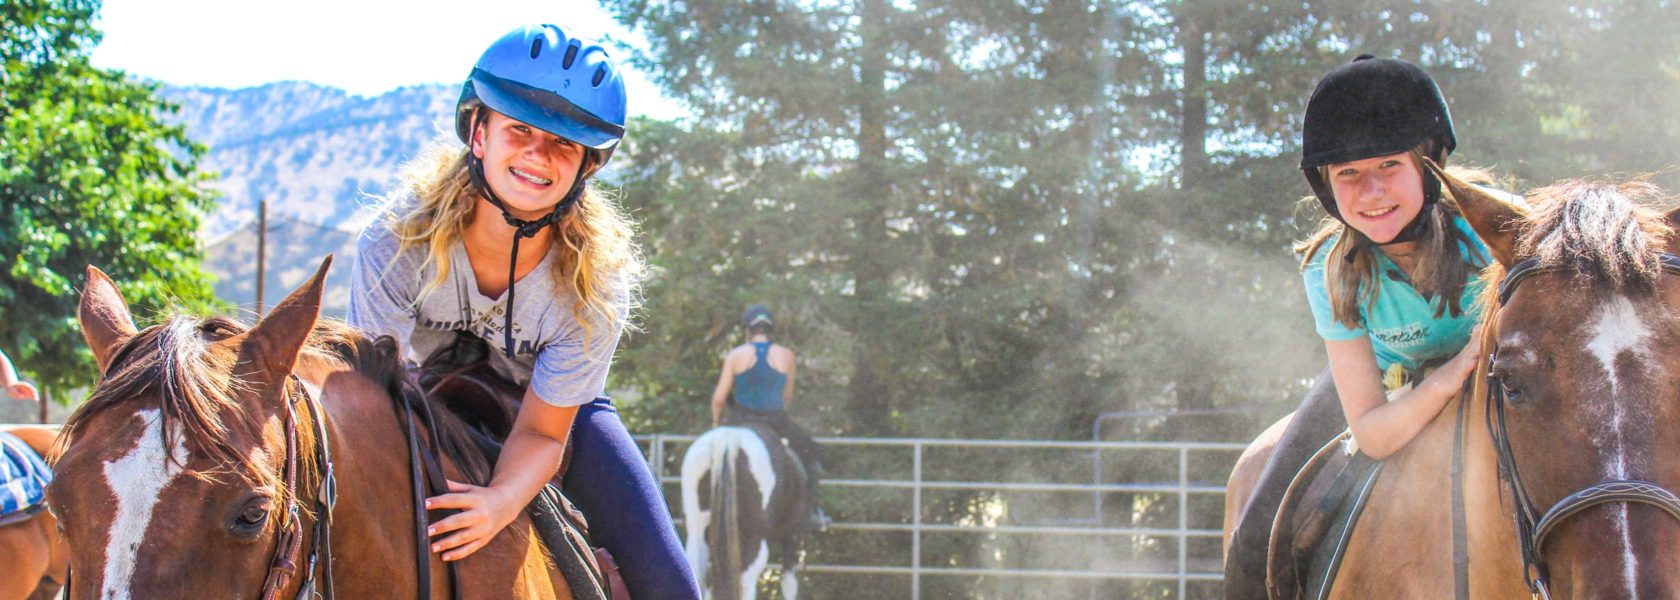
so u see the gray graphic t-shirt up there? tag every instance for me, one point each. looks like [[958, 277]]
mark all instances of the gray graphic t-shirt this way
[[551, 354]]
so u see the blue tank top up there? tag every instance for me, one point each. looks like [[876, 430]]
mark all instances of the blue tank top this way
[[760, 388]]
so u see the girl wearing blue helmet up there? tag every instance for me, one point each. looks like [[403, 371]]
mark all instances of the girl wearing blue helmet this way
[[511, 210]]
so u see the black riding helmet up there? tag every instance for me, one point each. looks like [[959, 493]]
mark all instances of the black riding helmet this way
[[1373, 107]]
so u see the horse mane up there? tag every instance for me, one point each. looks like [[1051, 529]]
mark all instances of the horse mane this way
[[172, 362], [380, 360]]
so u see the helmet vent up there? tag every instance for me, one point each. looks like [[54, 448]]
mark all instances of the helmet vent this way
[[536, 47], [571, 55], [600, 74]]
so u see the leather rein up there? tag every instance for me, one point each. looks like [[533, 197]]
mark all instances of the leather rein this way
[[425, 472], [1532, 526]]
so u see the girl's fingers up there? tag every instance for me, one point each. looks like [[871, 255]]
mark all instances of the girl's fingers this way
[[461, 520], [460, 501], [456, 486], [460, 538], [467, 550]]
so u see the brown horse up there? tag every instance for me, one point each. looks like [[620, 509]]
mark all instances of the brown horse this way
[[36, 560], [192, 470], [1566, 457]]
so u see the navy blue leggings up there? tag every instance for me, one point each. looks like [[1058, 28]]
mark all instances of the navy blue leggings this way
[[610, 482]]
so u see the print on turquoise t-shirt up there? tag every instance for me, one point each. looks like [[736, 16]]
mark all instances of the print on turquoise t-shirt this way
[[1402, 324]]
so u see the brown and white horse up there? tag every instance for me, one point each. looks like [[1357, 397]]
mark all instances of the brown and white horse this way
[[36, 560], [741, 496], [1569, 440], [178, 477]]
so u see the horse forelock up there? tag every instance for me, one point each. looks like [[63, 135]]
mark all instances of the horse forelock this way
[[170, 367], [1597, 229]]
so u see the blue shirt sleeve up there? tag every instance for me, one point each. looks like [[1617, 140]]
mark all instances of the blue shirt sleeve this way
[[1318, 298]]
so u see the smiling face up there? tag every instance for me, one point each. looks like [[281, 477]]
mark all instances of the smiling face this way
[[1379, 196], [529, 169]]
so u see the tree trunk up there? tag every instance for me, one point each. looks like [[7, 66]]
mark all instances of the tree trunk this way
[[1192, 133], [868, 395]]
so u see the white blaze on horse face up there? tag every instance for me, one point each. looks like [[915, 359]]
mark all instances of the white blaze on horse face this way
[[1619, 330], [136, 480]]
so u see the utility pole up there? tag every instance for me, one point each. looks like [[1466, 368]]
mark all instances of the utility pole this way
[[41, 398], [262, 250]]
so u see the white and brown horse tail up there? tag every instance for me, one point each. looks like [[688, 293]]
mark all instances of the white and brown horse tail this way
[[727, 481]]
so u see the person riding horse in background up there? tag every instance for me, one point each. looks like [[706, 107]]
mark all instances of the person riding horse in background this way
[[760, 373], [541, 112], [1392, 278], [16, 387]]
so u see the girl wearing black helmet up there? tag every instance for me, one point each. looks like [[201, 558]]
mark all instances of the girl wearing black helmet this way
[[509, 209], [1391, 278]]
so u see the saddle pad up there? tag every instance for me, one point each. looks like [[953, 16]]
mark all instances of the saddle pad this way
[[23, 476], [1343, 504], [1316, 519]]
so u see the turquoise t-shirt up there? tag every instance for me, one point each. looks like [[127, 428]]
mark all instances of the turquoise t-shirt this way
[[1402, 324]]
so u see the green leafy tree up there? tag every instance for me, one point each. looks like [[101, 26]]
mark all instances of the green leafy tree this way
[[90, 173]]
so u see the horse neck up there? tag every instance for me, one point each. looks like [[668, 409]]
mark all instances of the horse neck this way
[[1495, 559], [371, 532], [1414, 498]]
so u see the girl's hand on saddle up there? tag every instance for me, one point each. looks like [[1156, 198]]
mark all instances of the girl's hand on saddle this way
[[484, 512]]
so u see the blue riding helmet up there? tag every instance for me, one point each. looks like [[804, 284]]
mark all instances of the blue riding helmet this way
[[547, 77], [544, 76]]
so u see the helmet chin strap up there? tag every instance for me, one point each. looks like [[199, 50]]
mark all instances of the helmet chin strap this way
[[522, 229], [1420, 223]]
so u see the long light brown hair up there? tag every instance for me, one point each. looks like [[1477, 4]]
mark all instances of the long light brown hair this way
[[599, 260], [1441, 270]]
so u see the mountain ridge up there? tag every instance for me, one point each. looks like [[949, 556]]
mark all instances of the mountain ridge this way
[[319, 155]]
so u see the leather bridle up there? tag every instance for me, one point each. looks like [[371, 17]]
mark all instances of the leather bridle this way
[[1532, 526], [288, 547]]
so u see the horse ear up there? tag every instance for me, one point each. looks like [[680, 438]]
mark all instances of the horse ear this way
[[103, 313], [1495, 220], [274, 342], [1672, 217]]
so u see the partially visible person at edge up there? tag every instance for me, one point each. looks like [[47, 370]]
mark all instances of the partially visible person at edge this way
[[15, 386], [760, 373], [1392, 278], [507, 210]]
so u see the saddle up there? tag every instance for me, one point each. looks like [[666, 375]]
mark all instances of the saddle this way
[[23, 480], [1317, 518], [460, 379]]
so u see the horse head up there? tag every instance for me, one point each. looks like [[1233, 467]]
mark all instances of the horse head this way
[[1581, 383], [172, 480]]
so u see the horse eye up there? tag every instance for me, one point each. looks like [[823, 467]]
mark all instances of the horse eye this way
[[252, 518], [1513, 393]]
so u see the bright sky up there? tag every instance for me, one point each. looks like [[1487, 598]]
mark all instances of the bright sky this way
[[367, 47]]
